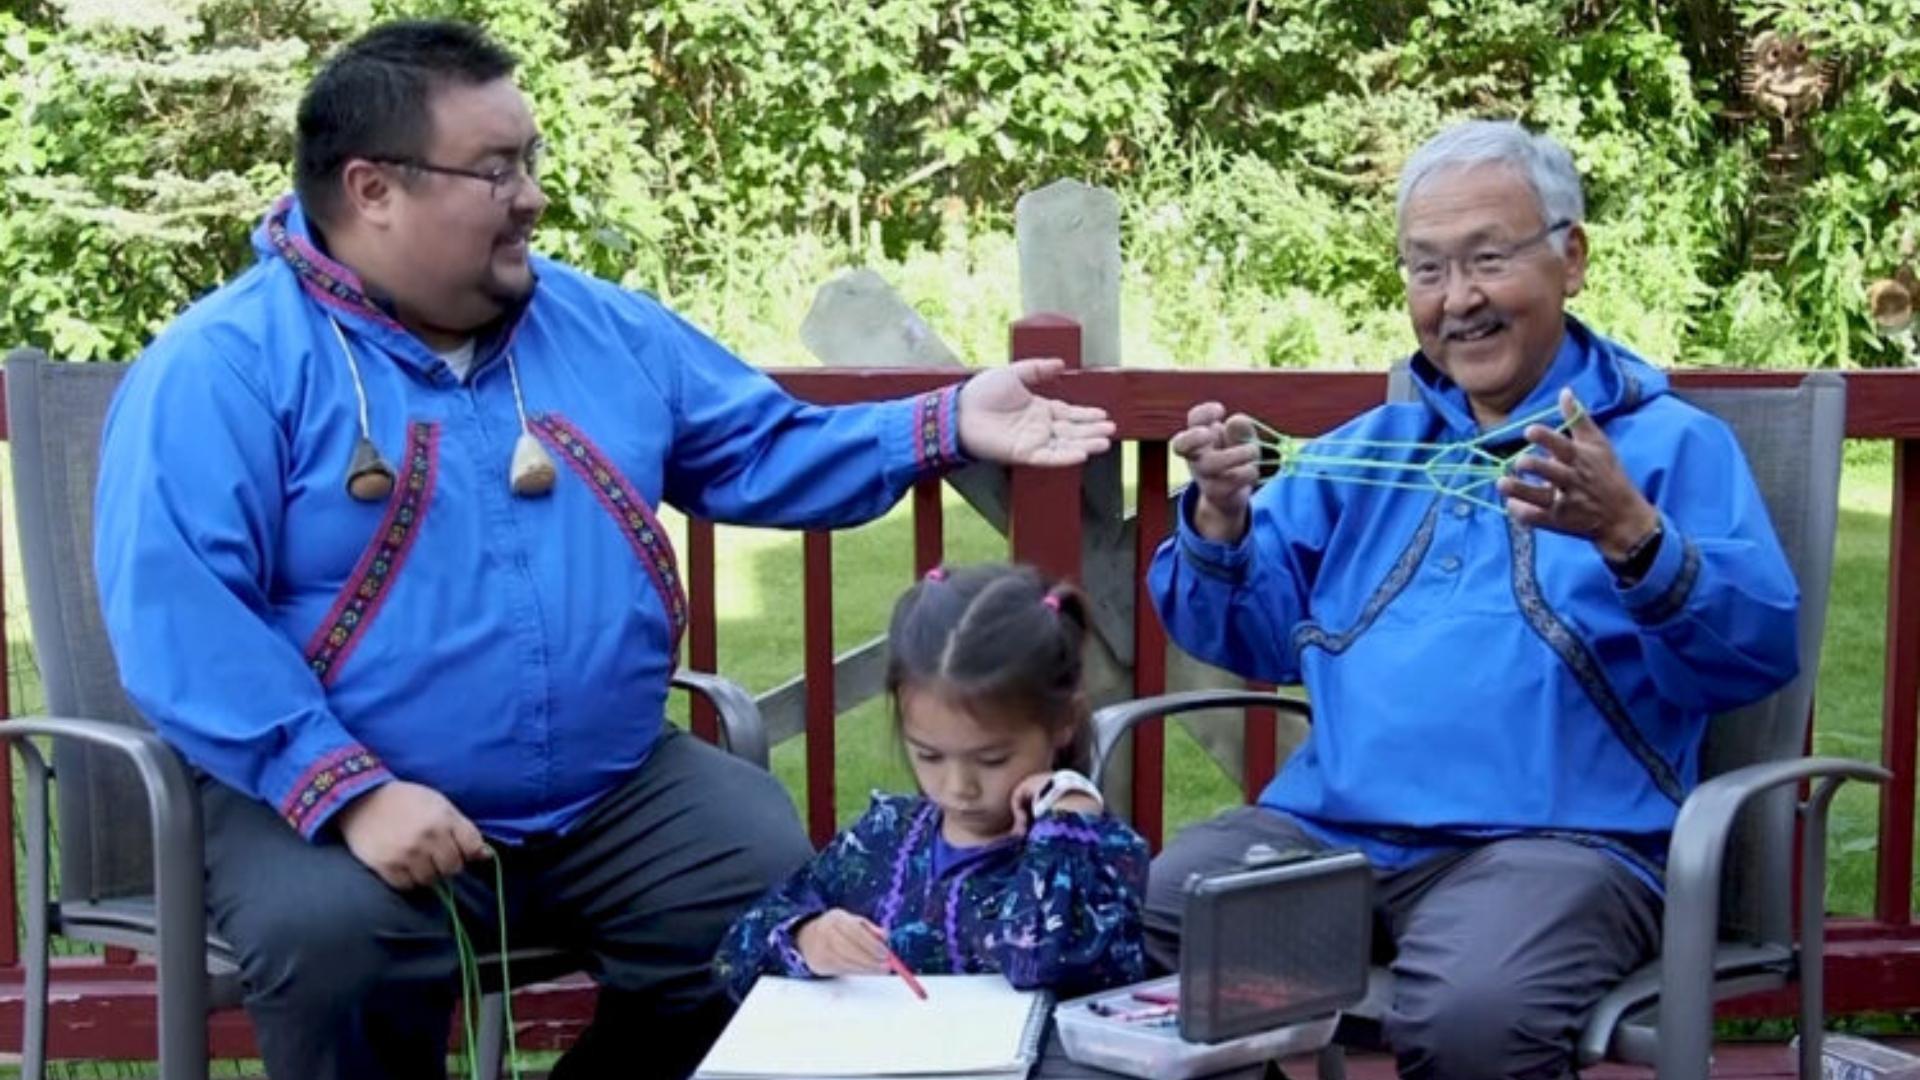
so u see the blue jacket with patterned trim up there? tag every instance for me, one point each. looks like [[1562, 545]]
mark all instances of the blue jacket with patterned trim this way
[[1059, 910], [1471, 677], [511, 652]]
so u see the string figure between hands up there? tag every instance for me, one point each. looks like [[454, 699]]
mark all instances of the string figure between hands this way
[[1466, 469]]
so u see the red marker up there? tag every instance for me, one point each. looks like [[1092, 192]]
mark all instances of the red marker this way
[[900, 968]]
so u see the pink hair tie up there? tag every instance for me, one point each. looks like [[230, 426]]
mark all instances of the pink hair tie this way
[[936, 574], [1051, 601]]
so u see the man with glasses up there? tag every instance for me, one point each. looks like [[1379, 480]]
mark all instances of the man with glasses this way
[[378, 554], [1510, 679]]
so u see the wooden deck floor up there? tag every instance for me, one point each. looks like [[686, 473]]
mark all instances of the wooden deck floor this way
[[1735, 1061]]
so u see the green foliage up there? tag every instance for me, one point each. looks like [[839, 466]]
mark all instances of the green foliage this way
[[731, 153]]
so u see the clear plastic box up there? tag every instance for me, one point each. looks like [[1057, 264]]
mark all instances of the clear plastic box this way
[[1846, 1057], [1154, 1050], [1284, 938]]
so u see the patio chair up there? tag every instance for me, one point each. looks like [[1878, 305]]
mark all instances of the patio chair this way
[[127, 809], [1729, 920]]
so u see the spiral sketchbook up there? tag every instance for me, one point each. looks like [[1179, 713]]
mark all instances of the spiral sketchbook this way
[[871, 1027]]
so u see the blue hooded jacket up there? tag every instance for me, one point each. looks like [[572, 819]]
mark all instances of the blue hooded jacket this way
[[1473, 678], [512, 653]]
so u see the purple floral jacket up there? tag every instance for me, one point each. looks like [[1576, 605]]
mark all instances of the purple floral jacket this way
[[1058, 910]]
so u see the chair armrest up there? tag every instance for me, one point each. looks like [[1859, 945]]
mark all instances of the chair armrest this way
[[179, 873], [1706, 820], [172, 799], [1694, 862], [741, 726], [1112, 723]]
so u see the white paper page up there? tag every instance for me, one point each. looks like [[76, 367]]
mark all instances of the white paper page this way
[[872, 1025]]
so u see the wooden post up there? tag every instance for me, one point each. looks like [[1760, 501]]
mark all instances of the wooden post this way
[[819, 668], [1043, 524], [1893, 902], [703, 651], [1149, 648], [929, 526]]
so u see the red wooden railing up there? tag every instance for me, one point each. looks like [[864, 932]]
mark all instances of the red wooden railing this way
[[104, 1008]]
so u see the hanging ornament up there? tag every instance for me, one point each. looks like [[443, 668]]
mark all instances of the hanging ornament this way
[[369, 477], [533, 473]]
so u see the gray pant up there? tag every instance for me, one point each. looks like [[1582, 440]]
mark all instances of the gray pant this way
[[346, 977], [1497, 952]]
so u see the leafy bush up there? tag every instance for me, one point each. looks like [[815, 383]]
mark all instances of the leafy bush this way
[[732, 153]]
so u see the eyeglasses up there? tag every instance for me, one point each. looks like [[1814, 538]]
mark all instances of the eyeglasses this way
[[504, 183], [1489, 263]]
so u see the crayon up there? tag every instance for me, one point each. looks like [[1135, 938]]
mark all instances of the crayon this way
[[900, 968], [1132, 1016]]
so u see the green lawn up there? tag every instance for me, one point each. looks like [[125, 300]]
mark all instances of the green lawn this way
[[1849, 698]]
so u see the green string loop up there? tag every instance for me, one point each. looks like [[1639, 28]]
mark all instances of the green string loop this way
[[469, 960], [1462, 470]]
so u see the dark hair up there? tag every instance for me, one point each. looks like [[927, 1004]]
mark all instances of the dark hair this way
[[998, 638], [373, 100]]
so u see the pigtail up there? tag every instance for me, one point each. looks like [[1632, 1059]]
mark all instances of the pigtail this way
[[1078, 754], [1069, 606]]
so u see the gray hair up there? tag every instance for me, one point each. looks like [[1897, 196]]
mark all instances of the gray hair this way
[[1539, 158]]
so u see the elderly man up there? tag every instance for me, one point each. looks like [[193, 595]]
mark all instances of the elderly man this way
[[1509, 691], [377, 553]]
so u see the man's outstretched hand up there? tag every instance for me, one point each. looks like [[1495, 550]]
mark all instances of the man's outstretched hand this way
[[1002, 420]]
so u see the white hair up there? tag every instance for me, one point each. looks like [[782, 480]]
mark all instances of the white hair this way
[[1538, 158]]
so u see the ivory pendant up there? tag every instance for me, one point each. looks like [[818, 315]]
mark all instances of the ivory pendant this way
[[369, 477], [533, 471]]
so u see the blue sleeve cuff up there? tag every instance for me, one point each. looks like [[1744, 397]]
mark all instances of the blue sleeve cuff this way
[[787, 950], [1663, 593], [1226, 562], [936, 431], [1068, 827], [329, 784]]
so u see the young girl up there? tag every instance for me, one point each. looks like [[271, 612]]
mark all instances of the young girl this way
[[1006, 861]]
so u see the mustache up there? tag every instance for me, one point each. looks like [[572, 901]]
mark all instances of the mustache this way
[[1452, 327]]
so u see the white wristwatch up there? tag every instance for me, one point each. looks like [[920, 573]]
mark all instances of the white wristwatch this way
[[1062, 783]]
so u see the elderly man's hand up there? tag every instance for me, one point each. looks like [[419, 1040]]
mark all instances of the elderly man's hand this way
[[1582, 489], [1225, 463], [1003, 420], [410, 834]]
